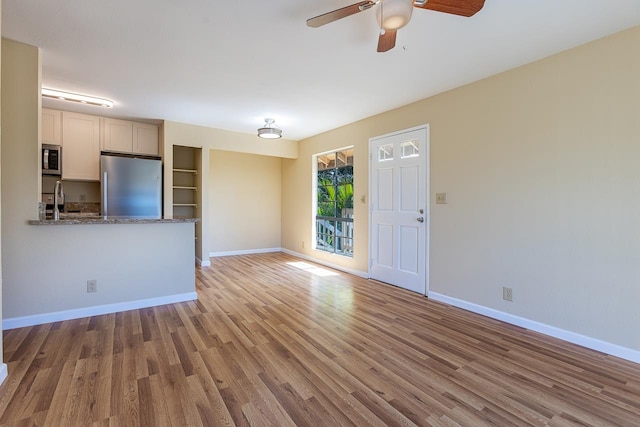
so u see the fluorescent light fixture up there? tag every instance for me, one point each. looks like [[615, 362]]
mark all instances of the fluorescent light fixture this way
[[270, 130], [76, 97]]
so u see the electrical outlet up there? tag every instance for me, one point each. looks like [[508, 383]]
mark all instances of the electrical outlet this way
[[92, 286], [83, 197], [507, 293], [303, 244]]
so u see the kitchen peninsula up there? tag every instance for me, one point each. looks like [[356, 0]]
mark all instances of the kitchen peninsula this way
[[128, 258], [134, 263]]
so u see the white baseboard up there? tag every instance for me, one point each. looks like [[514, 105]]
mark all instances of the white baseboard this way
[[244, 252], [39, 319], [3, 372], [202, 263], [572, 337], [363, 274]]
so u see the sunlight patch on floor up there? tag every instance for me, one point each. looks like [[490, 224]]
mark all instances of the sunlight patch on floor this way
[[313, 269]]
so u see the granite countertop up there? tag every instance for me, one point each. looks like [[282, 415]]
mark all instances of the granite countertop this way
[[70, 219]]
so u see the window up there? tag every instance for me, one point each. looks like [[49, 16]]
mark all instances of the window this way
[[334, 202], [410, 148], [385, 152]]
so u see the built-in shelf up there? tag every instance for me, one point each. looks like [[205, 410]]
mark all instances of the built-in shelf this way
[[186, 186], [193, 171]]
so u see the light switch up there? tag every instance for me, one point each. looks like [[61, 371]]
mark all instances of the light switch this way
[[441, 198]]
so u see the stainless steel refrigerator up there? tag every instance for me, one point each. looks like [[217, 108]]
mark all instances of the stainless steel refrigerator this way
[[130, 187]]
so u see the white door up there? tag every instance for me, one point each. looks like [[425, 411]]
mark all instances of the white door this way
[[399, 209]]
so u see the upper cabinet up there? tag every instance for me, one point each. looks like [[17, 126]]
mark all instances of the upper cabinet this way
[[145, 138], [51, 126], [130, 137], [83, 136], [118, 135], [80, 146]]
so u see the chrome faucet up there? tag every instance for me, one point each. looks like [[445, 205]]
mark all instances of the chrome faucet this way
[[57, 196]]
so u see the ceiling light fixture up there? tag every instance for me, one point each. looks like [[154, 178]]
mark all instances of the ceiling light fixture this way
[[394, 14], [76, 97], [270, 130]]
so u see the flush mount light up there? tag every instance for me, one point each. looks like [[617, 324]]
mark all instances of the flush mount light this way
[[76, 97], [270, 130]]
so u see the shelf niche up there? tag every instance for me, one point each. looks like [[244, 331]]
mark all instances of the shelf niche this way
[[186, 182]]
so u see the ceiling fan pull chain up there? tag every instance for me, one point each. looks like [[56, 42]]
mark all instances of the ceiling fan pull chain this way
[[381, 31]]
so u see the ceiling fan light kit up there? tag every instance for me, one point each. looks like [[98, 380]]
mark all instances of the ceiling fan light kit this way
[[395, 14], [270, 130]]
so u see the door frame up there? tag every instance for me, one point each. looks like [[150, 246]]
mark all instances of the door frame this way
[[427, 227]]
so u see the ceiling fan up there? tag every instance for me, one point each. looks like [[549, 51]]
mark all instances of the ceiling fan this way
[[395, 14]]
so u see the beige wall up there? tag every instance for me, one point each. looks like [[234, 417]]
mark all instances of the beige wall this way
[[2, 365], [20, 110], [244, 201], [540, 165], [220, 140]]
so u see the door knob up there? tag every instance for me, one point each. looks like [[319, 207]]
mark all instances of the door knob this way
[[420, 219]]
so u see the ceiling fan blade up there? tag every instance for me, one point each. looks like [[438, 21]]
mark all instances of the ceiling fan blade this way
[[387, 40], [455, 7], [328, 17]]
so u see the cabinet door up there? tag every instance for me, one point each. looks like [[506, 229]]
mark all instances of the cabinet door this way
[[145, 139], [81, 146], [118, 135], [51, 126]]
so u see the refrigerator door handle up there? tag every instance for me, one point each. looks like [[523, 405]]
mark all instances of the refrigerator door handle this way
[[104, 194]]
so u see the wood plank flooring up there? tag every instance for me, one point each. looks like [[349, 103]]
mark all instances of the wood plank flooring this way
[[274, 340]]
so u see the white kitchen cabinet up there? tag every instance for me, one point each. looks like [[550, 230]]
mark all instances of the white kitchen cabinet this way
[[81, 147], [51, 126], [125, 136], [145, 139], [118, 135]]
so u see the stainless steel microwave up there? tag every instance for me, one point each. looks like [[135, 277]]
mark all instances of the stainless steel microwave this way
[[51, 159]]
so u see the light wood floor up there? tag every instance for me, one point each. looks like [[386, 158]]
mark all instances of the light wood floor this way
[[274, 340]]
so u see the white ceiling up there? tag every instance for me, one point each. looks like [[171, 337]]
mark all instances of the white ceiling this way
[[230, 64]]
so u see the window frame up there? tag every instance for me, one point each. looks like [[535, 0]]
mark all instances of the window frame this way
[[344, 220]]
